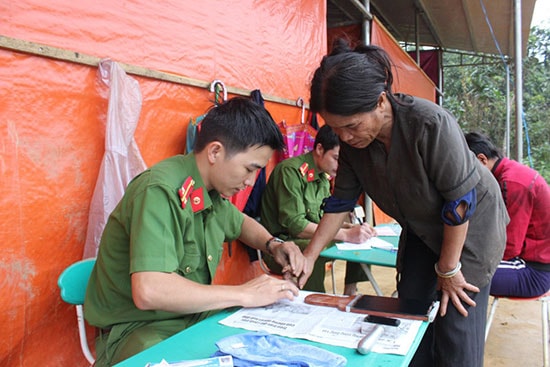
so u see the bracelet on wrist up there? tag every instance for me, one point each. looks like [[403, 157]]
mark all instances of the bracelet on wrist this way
[[448, 274], [272, 239]]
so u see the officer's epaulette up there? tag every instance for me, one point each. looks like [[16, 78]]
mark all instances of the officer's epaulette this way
[[187, 191], [304, 170]]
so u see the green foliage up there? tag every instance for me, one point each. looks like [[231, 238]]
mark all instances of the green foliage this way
[[475, 93]]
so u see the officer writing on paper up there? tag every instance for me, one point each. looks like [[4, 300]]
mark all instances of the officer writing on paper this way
[[162, 243], [410, 156], [525, 268], [291, 206]]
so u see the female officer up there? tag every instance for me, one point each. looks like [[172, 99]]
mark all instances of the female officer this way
[[409, 155]]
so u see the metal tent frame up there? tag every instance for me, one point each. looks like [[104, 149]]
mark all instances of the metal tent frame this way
[[486, 28]]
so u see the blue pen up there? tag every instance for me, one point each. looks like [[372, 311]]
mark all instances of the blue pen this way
[[385, 249]]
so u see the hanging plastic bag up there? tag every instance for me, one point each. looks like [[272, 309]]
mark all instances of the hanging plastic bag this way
[[262, 349], [122, 160], [299, 139]]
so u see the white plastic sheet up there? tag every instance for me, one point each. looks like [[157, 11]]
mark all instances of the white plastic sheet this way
[[122, 160]]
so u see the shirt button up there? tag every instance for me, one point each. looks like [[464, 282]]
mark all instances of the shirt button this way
[[188, 269], [209, 257]]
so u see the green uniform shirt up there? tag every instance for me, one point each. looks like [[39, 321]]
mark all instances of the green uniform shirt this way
[[291, 200], [293, 196], [150, 231]]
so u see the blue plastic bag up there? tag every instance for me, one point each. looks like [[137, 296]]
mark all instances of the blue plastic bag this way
[[260, 349]]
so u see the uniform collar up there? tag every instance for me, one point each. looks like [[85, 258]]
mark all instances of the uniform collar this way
[[190, 168], [317, 174]]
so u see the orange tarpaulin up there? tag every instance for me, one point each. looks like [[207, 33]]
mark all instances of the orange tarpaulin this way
[[408, 76], [53, 125]]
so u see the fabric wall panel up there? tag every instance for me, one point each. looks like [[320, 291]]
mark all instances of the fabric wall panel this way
[[52, 126]]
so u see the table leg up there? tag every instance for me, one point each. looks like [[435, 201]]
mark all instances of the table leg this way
[[332, 275], [373, 282]]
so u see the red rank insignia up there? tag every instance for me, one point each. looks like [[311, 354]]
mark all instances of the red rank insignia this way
[[303, 168], [310, 175], [197, 200], [185, 191]]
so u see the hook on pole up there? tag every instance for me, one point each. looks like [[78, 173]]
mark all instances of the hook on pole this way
[[300, 103], [213, 89]]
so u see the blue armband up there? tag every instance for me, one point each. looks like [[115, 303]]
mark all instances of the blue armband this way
[[470, 199], [334, 205]]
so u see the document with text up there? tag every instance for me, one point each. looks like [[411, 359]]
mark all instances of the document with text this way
[[327, 325]]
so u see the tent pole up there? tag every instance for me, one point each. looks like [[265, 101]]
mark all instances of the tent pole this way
[[519, 81], [369, 211], [366, 23], [440, 72], [417, 35], [508, 108]]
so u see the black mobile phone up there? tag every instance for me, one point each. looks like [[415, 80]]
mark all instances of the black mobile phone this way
[[382, 320], [394, 307]]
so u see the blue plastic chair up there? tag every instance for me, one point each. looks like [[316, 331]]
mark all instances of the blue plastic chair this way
[[73, 282]]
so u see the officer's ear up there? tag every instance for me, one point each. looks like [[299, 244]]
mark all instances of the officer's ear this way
[[319, 149], [215, 151]]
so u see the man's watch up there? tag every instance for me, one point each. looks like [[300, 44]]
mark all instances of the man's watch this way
[[272, 239]]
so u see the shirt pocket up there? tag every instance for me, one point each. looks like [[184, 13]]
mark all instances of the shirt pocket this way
[[313, 211], [189, 259]]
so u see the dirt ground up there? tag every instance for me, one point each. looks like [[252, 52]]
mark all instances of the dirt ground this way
[[515, 338]]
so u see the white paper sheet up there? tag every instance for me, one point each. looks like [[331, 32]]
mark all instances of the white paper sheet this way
[[373, 242], [388, 230]]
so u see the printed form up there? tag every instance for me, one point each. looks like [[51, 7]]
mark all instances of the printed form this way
[[296, 319]]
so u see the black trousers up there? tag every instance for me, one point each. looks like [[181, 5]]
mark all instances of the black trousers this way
[[452, 340]]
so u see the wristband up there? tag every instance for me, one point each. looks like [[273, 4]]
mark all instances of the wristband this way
[[272, 239], [448, 274]]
